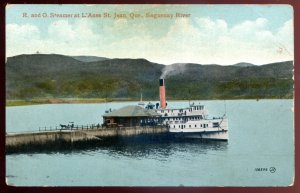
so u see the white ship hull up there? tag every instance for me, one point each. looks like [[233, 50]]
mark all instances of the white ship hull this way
[[211, 135], [214, 129]]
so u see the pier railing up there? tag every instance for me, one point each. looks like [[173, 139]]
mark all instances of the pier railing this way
[[71, 127], [86, 127]]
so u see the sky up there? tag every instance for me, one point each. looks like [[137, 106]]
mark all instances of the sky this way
[[209, 34]]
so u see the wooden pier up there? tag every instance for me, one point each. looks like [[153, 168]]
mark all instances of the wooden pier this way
[[59, 138]]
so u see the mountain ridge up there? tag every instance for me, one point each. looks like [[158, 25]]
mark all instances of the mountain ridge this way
[[89, 58], [54, 75]]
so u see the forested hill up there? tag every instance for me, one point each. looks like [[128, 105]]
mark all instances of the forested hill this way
[[59, 76]]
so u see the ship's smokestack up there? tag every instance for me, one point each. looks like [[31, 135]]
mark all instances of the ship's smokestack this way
[[162, 93]]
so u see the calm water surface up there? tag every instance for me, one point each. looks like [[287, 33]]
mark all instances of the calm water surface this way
[[261, 135]]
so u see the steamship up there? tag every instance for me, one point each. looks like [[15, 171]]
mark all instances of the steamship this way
[[190, 122]]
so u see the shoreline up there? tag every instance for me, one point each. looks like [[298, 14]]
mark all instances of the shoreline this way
[[24, 102], [40, 101]]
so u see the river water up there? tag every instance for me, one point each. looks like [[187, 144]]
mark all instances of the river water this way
[[259, 152]]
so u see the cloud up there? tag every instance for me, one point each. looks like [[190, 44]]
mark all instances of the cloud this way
[[285, 38], [61, 30], [211, 27], [76, 36], [61, 37], [19, 38], [16, 31], [209, 41], [198, 40], [121, 29], [212, 41]]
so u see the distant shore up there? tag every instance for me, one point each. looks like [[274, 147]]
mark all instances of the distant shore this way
[[39, 101], [23, 102]]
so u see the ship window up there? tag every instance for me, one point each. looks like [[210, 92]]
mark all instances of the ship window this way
[[216, 124], [190, 126], [201, 125], [195, 125], [174, 126]]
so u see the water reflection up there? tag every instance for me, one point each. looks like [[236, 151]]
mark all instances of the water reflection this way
[[138, 148], [152, 149]]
